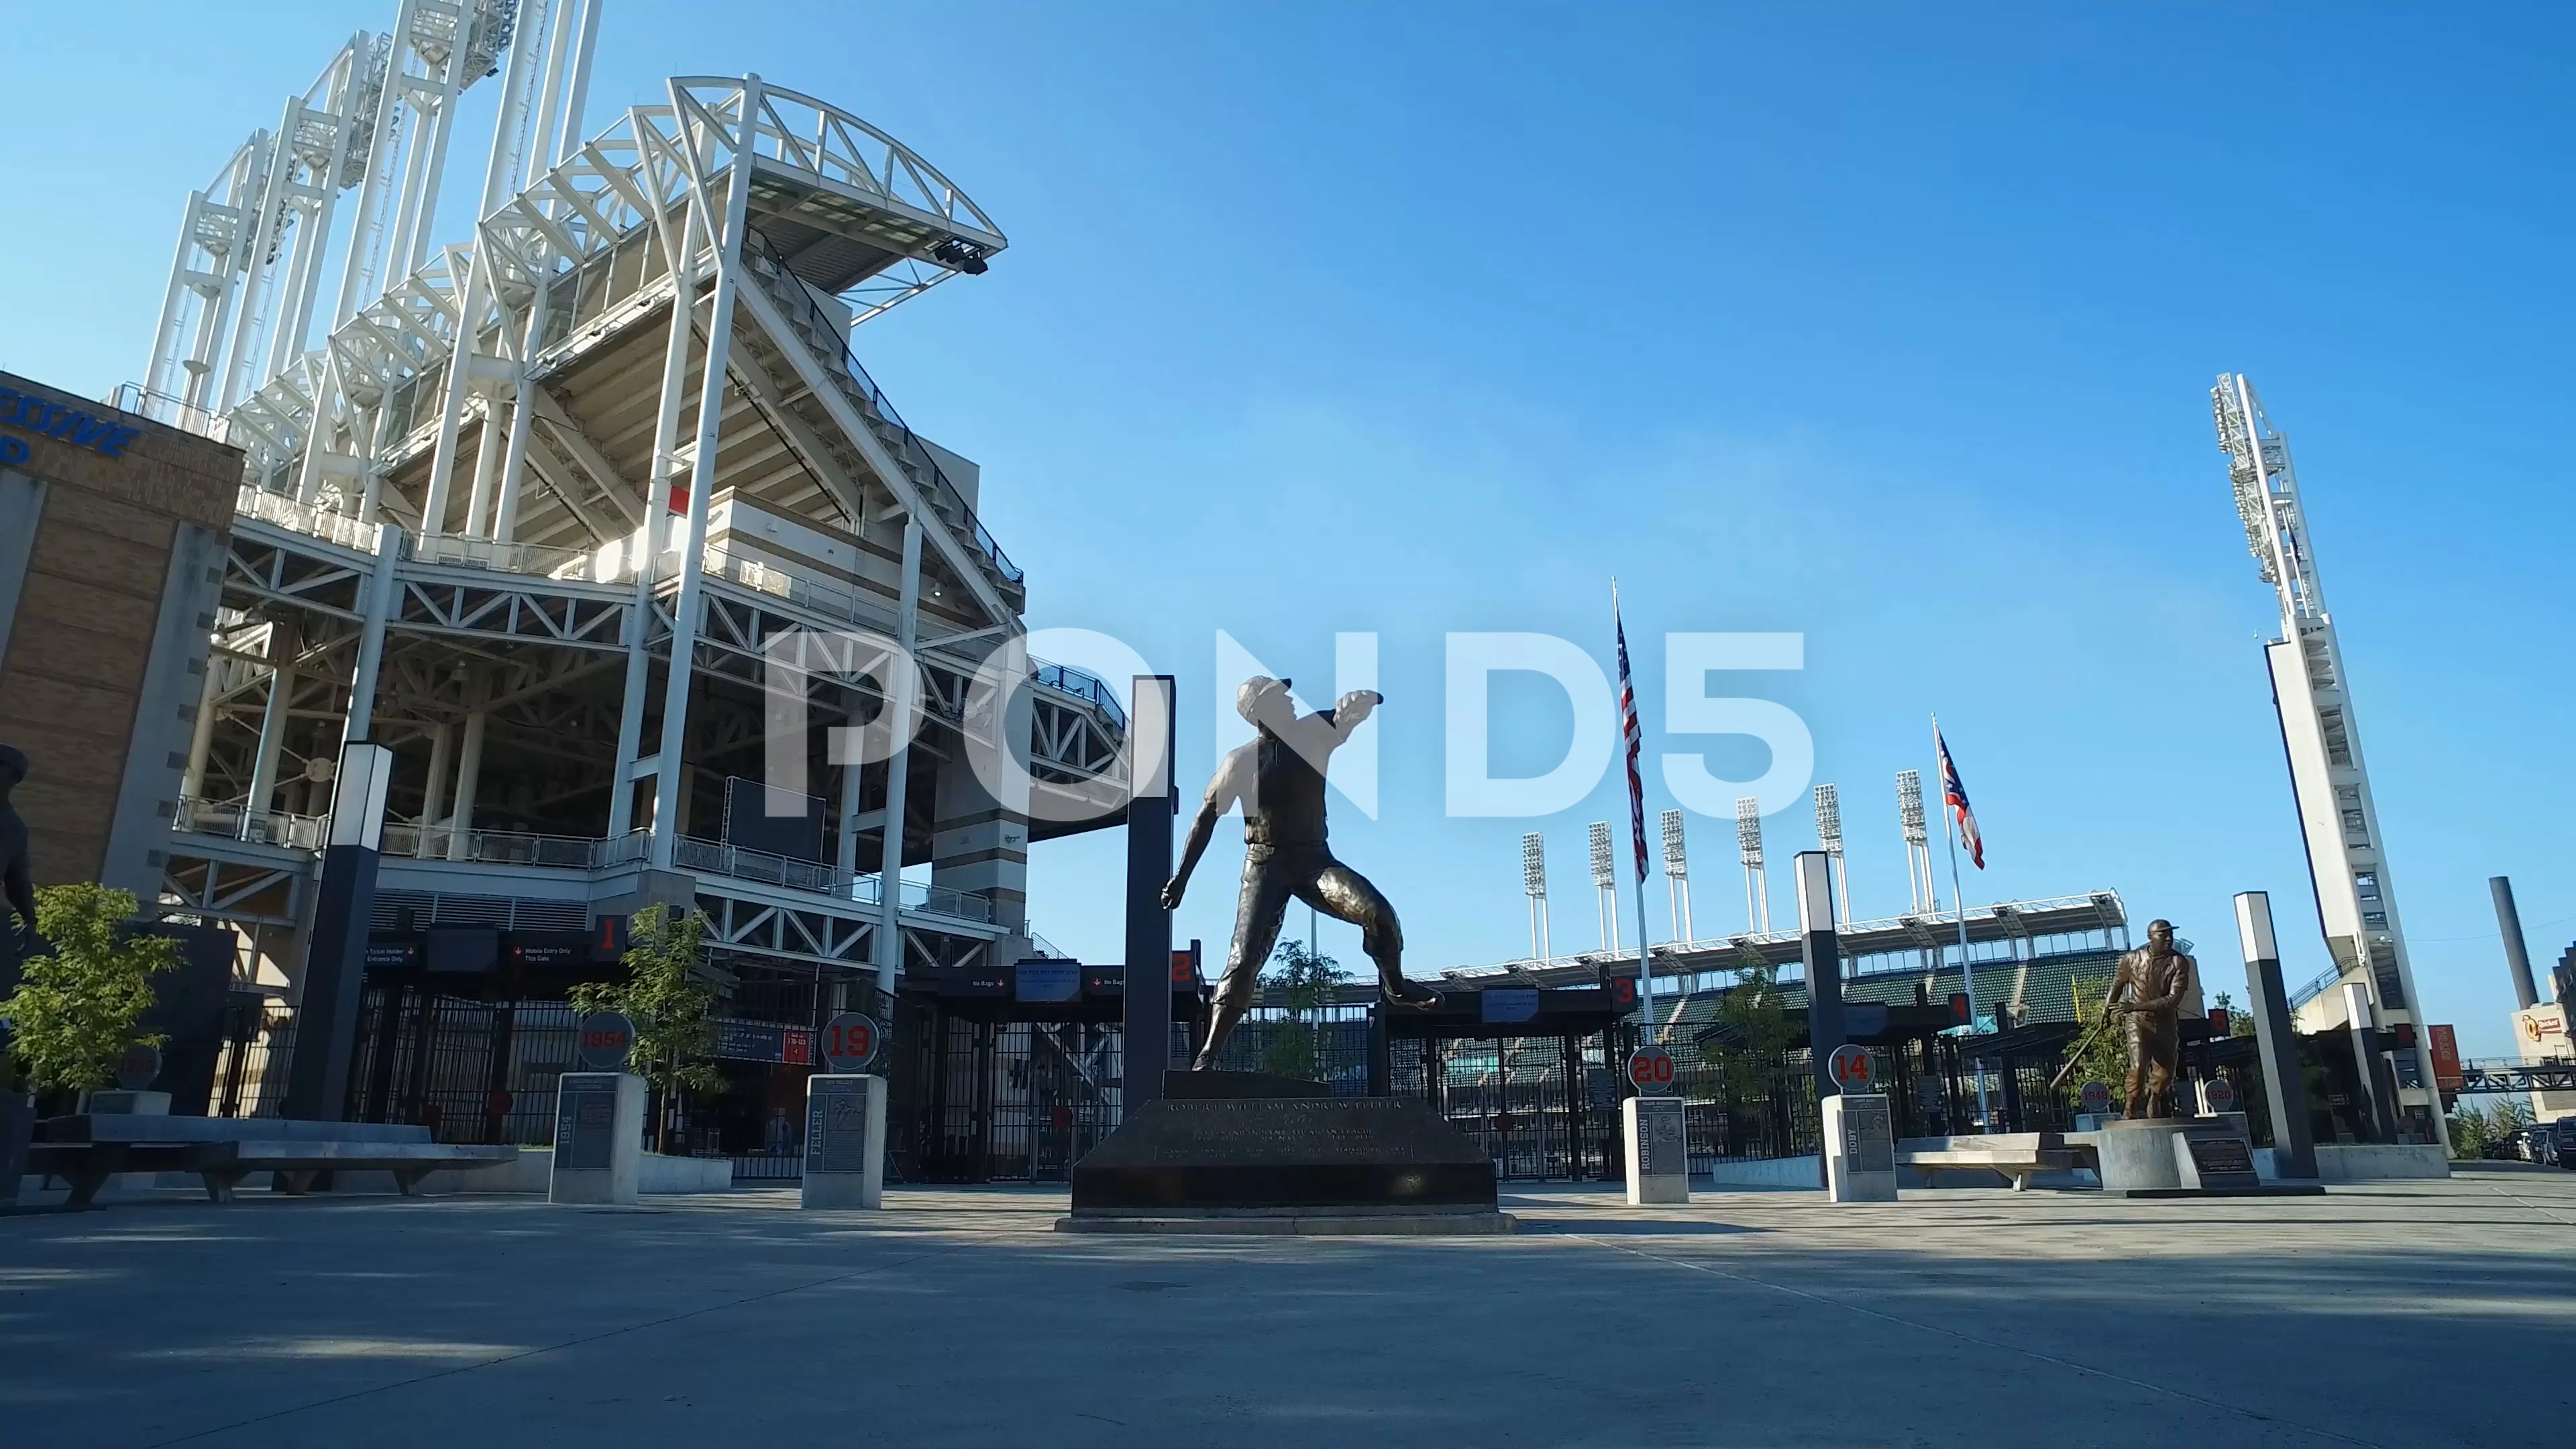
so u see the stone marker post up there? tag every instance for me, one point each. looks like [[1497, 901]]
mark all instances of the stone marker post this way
[[1859, 1139], [845, 1124], [599, 1138], [1658, 1150], [2285, 1088]]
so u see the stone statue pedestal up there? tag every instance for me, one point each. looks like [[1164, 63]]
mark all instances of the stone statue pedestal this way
[[2184, 1157], [2139, 1156], [1229, 1152]]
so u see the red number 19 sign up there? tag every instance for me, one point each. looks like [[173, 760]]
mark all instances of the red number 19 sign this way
[[849, 1042]]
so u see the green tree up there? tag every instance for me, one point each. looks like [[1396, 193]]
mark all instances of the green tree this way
[[2104, 1056], [1753, 1032], [75, 1009], [663, 995], [1304, 982], [2239, 1022]]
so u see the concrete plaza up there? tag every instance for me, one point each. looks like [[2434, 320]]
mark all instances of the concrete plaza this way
[[2419, 1313]]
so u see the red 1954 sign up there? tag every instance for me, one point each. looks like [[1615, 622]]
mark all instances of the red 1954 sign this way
[[1651, 1071], [603, 1040]]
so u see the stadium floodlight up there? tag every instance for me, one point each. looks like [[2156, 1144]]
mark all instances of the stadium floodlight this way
[[1829, 834], [1909, 806], [1605, 879], [1918, 841], [1677, 877], [1748, 846], [1534, 883]]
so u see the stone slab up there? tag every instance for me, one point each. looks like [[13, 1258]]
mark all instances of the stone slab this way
[[1284, 1152]]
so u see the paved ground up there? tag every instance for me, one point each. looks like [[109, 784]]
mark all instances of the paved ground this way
[[2439, 1313]]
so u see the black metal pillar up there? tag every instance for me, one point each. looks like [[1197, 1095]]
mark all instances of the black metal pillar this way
[[2517, 951], [335, 958], [1146, 1021], [2285, 1088], [1821, 948]]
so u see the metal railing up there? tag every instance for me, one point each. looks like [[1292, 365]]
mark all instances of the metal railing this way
[[2323, 982], [1082, 684], [912, 450], [741, 863], [458, 550], [494, 847], [304, 518], [231, 820], [161, 407]]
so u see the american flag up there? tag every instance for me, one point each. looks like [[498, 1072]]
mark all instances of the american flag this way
[[1636, 741], [1955, 796]]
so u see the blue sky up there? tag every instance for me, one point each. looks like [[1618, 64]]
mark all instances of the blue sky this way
[[1890, 326]]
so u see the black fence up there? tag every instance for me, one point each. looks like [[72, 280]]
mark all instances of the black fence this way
[[984, 1101]]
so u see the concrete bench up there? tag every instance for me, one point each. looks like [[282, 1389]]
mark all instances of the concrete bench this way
[[87, 1150], [2018, 1156]]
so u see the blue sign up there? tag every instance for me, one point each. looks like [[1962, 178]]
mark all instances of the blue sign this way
[[1046, 981], [1508, 1004], [62, 424]]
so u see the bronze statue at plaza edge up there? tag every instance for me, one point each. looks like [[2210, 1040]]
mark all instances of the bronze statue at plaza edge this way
[[2146, 994], [1278, 778]]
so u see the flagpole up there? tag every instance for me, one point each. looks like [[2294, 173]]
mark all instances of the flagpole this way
[[1636, 805], [1959, 904]]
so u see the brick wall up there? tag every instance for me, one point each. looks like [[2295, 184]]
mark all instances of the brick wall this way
[[72, 667]]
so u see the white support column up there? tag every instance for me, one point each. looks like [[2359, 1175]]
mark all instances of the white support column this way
[[273, 720], [451, 416], [711, 392], [386, 136], [379, 600], [654, 535], [442, 753], [889, 940], [487, 466], [469, 775]]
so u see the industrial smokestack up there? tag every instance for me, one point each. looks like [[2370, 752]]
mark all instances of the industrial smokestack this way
[[2517, 955]]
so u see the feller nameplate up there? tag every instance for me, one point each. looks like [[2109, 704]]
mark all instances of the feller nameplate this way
[[836, 1128]]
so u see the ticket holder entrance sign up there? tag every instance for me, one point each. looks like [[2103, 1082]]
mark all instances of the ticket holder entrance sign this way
[[599, 1138], [845, 1125]]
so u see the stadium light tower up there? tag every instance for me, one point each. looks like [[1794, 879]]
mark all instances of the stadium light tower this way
[[1918, 841], [1829, 836], [1677, 876], [2356, 901], [1534, 884], [1605, 882], [1748, 846]]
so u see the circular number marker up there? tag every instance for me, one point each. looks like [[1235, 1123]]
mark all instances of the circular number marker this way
[[849, 1041], [1650, 1071]]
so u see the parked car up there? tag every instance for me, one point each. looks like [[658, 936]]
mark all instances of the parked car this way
[[2537, 1143], [2562, 1142]]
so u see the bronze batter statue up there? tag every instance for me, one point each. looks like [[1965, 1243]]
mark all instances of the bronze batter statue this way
[[2147, 991], [1279, 779]]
